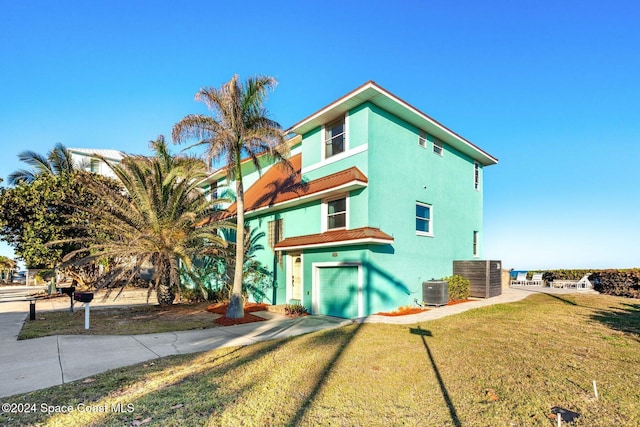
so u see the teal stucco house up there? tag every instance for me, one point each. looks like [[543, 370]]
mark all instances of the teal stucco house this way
[[384, 197]]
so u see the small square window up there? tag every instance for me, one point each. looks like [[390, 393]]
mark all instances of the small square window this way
[[437, 147], [337, 213], [94, 165], [423, 219], [422, 139], [334, 138]]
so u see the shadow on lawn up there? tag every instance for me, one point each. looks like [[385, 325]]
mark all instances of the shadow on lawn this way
[[445, 394], [624, 319], [345, 337], [559, 298]]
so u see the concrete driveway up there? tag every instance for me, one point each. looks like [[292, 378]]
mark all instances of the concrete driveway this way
[[39, 363]]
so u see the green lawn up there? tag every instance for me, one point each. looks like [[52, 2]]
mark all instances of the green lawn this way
[[504, 365], [136, 319]]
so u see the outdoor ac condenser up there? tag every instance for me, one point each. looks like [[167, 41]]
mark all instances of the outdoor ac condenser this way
[[435, 292]]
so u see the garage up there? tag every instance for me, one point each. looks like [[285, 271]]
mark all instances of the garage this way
[[338, 290]]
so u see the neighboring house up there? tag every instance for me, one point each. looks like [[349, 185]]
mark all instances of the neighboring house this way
[[88, 159], [384, 198]]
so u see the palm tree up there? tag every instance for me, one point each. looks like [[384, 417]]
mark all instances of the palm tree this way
[[239, 127], [7, 266], [57, 162], [162, 218]]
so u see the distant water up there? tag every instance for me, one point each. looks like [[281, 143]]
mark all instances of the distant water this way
[[514, 273]]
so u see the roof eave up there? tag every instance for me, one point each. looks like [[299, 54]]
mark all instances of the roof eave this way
[[364, 240], [222, 172], [371, 92], [344, 188]]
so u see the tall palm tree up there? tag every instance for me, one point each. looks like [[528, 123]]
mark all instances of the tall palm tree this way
[[239, 127], [162, 218], [57, 162]]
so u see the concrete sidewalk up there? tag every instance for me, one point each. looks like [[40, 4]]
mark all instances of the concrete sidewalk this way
[[508, 295], [44, 362]]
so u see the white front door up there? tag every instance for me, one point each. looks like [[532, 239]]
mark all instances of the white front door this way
[[294, 277]]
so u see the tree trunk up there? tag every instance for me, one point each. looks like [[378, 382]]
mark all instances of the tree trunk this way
[[165, 292], [236, 306]]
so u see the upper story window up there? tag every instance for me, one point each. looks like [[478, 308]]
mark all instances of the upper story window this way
[[94, 166], [334, 138], [422, 139], [213, 190], [476, 175], [337, 213], [437, 147], [275, 235], [424, 224]]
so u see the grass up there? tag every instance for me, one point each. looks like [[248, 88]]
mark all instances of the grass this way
[[503, 365], [141, 319]]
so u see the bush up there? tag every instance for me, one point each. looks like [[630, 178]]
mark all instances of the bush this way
[[622, 283], [295, 310], [458, 287]]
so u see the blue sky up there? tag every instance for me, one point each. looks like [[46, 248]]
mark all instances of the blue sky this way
[[550, 88]]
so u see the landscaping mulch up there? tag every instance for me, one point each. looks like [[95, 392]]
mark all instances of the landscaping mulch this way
[[221, 308], [404, 311]]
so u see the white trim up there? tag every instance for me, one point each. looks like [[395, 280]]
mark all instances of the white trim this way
[[370, 240], [324, 212], [333, 105], [439, 144], [315, 283], [422, 139], [347, 153], [476, 244], [429, 221], [371, 92], [289, 273], [345, 133], [346, 187]]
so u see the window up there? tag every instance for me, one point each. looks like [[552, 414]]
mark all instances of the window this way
[[422, 139], [275, 232], [337, 213], [423, 219], [334, 138], [437, 147], [213, 190], [476, 175], [94, 166], [275, 235], [476, 247]]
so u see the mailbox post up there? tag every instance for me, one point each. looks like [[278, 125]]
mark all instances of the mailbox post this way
[[84, 297], [68, 291]]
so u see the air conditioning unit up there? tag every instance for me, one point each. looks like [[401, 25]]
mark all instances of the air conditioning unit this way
[[435, 292]]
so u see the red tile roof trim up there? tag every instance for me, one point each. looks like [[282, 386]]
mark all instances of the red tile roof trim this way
[[336, 238]]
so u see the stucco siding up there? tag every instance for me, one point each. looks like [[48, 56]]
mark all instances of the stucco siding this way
[[401, 173]]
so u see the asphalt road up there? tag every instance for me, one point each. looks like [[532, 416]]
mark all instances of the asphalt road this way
[[16, 293]]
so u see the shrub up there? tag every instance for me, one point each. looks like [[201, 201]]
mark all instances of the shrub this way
[[295, 310], [192, 296], [623, 283], [458, 287]]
